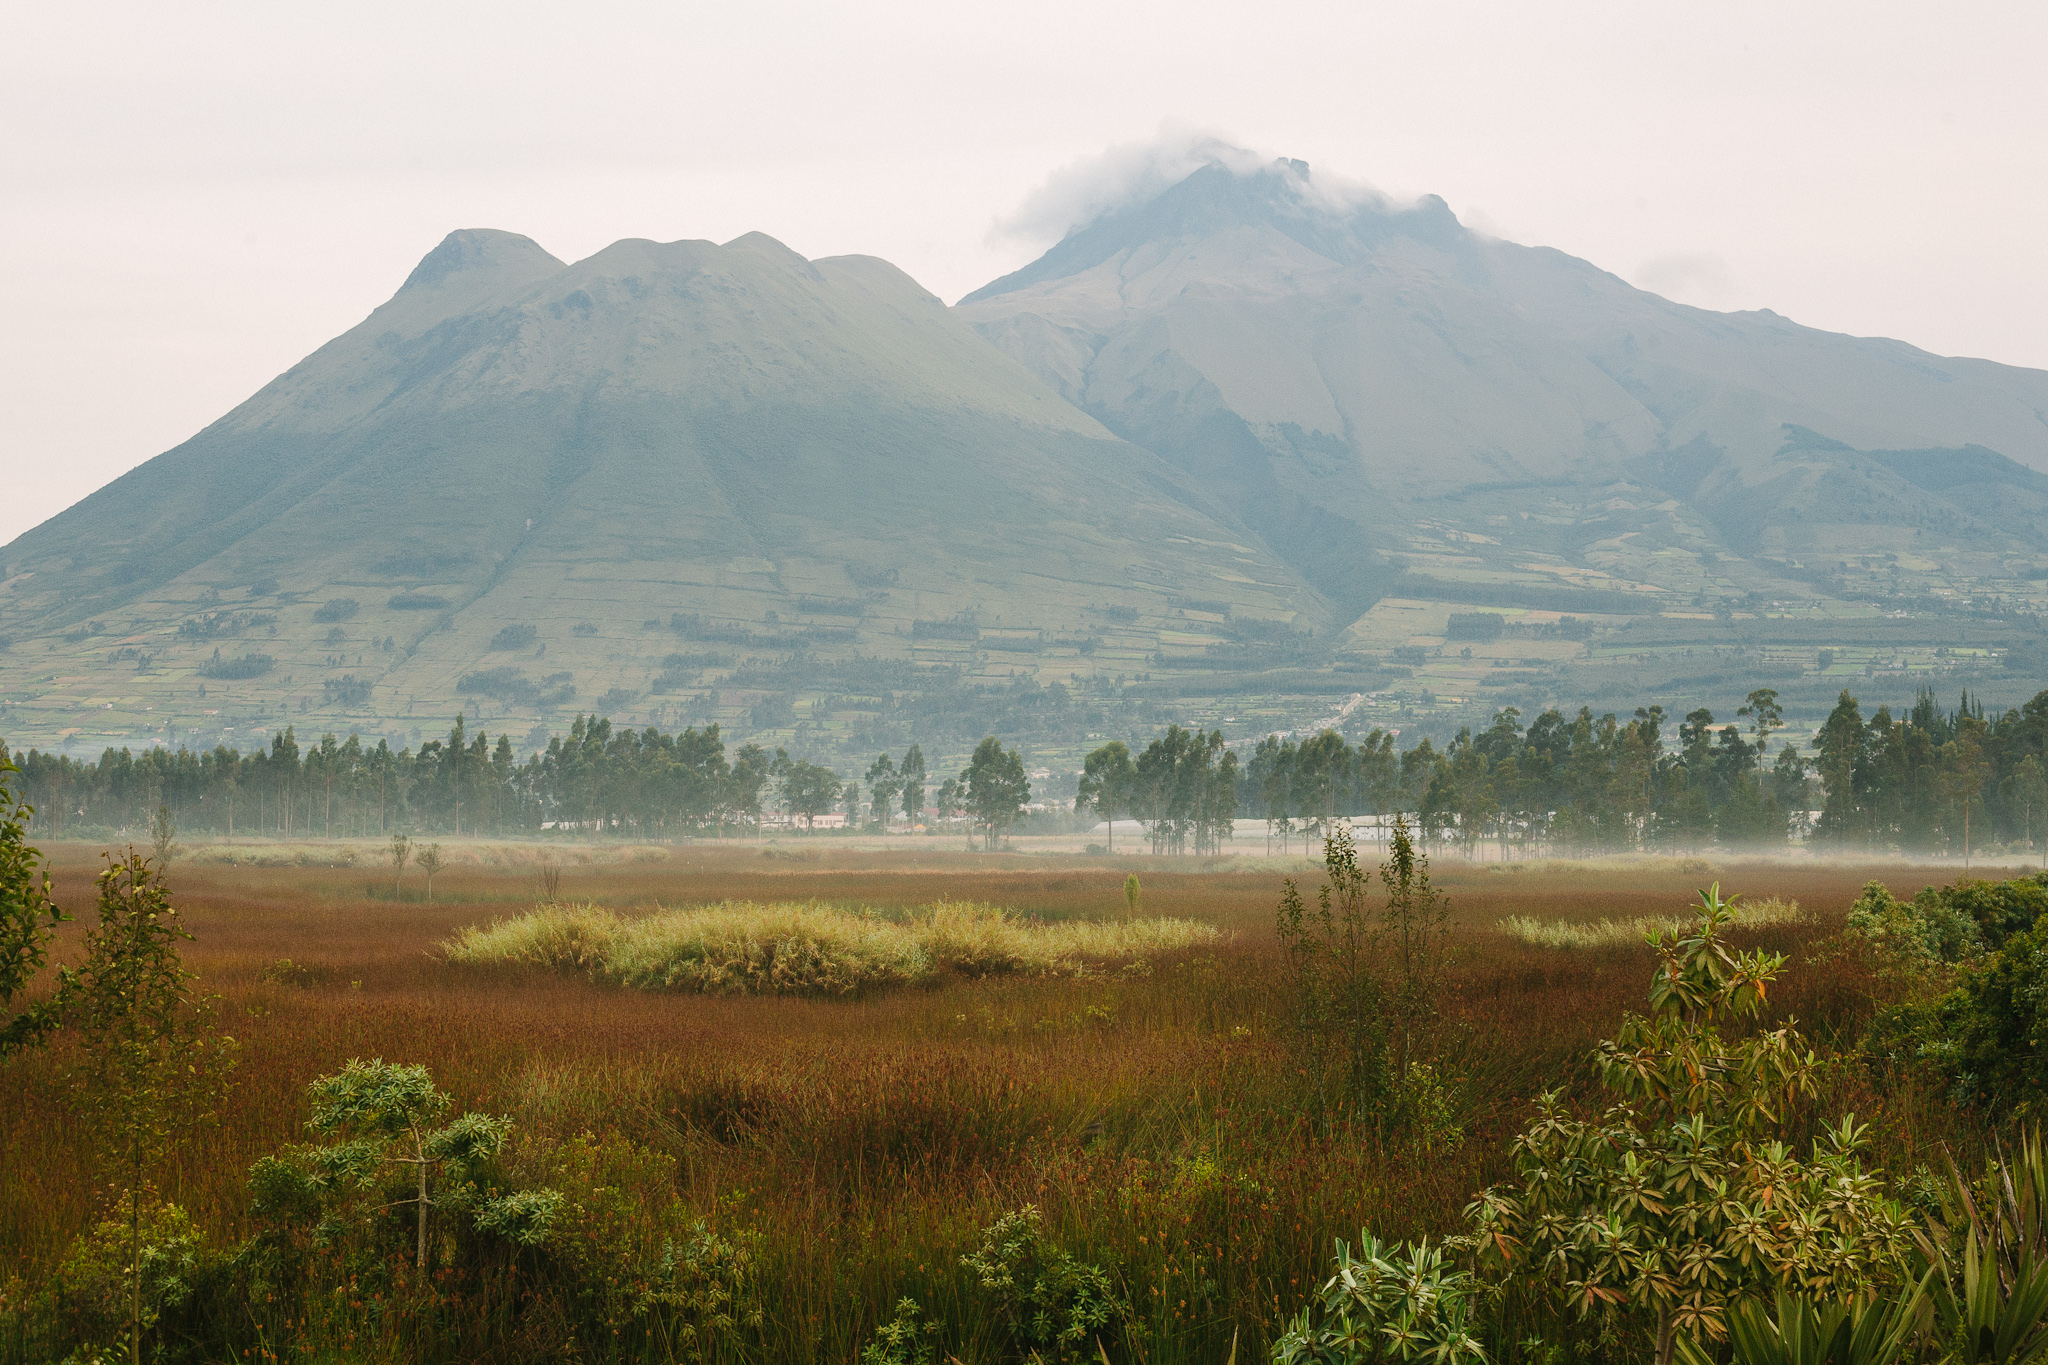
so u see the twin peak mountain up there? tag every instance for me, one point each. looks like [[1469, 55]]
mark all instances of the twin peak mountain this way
[[1244, 400]]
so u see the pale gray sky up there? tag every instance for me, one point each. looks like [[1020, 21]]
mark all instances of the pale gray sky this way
[[197, 196]]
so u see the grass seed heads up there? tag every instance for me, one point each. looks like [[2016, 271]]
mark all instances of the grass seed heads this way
[[810, 948], [1606, 932]]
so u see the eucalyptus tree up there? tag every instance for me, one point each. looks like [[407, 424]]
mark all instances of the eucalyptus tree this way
[[1105, 785]]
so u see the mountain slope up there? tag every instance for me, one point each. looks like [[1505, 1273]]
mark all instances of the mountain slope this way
[[747, 449], [1335, 371]]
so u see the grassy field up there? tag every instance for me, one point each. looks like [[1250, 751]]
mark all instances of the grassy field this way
[[1147, 1106]]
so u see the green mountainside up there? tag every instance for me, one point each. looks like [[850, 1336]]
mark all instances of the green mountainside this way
[[527, 489], [1250, 454], [1429, 425]]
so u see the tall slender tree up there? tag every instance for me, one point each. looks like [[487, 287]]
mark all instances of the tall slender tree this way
[[152, 1065], [910, 783], [1105, 783]]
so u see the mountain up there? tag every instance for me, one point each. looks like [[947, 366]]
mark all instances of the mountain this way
[[1253, 452], [534, 487], [1367, 384]]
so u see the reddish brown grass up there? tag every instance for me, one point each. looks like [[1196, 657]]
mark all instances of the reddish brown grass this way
[[866, 1141]]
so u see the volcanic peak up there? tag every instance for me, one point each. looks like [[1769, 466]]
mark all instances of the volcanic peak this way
[[1345, 225]]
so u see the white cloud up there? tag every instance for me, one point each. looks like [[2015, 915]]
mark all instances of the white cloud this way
[[1124, 174], [1687, 277]]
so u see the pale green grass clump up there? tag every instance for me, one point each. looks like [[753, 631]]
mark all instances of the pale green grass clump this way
[[1639, 864], [1568, 934], [747, 948]]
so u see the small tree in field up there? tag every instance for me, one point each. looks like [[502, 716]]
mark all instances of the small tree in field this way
[[151, 1065], [28, 919], [429, 859], [1681, 1201], [163, 836], [401, 849], [378, 1116], [1363, 981]]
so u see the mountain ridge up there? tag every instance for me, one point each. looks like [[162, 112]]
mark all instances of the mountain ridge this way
[[757, 447], [1250, 435], [1293, 351]]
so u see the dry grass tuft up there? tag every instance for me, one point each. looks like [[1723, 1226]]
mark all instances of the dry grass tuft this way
[[1606, 932], [796, 948]]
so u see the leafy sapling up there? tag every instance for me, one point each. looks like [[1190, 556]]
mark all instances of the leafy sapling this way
[[1683, 1199], [429, 859], [401, 849], [1388, 1303], [381, 1115], [1054, 1306], [152, 1066], [163, 836]]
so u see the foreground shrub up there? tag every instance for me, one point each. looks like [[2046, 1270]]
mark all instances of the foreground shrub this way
[[1919, 935], [1388, 1304], [1054, 1306], [634, 1256], [745, 948], [1989, 1036], [1949, 925], [1683, 1200], [121, 1278], [383, 1116]]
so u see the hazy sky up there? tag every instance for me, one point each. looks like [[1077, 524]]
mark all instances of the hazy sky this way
[[194, 197]]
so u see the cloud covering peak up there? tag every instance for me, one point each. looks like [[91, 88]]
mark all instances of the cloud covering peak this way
[[1089, 188]]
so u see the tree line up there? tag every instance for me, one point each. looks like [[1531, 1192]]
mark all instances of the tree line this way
[[637, 783], [1562, 783], [1926, 781]]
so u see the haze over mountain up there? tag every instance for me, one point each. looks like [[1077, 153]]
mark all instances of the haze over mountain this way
[[1250, 443], [1309, 355]]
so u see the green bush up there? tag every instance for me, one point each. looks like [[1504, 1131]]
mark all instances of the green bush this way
[[1685, 1197], [617, 1246], [1919, 934], [905, 1339], [93, 1284], [1999, 909], [1989, 1036], [1947, 926], [1387, 1304], [1054, 1307]]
